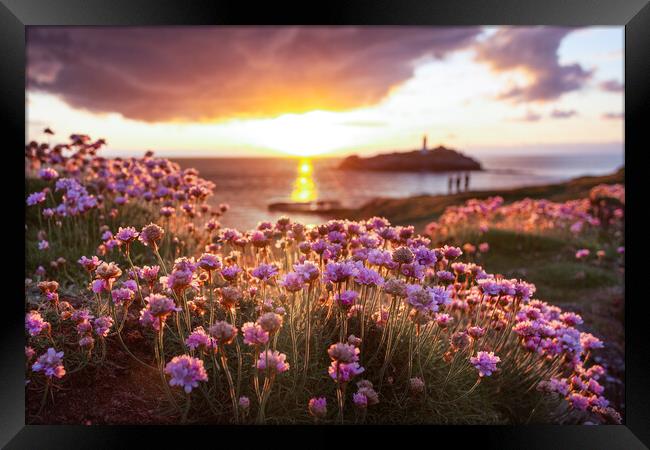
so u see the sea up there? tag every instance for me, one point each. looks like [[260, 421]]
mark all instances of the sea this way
[[249, 185]]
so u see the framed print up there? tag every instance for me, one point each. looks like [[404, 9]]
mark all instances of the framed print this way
[[378, 218]]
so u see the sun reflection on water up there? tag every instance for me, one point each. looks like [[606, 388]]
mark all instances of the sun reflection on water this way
[[304, 188]]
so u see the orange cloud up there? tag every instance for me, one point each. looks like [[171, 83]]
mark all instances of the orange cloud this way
[[213, 73]]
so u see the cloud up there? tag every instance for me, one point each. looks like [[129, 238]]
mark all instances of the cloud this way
[[530, 116], [612, 86], [212, 73], [563, 114], [534, 51], [613, 116]]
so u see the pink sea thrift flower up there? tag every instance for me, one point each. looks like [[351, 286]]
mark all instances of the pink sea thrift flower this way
[[254, 334], [223, 332], [209, 262], [35, 198], [485, 363], [244, 403], [346, 299], [273, 360], [318, 407], [90, 264], [308, 270], [582, 253], [360, 400], [270, 322], [126, 235], [151, 234], [149, 273], [50, 363], [265, 272], [199, 339], [293, 282], [578, 401], [102, 325], [29, 353], [34, 323], [98, 286], [122, 295], [343, 372], [186, 372]]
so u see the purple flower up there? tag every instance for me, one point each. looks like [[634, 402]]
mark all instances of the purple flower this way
[[485, 363], [578, 401], [273, 360], [343, 372], [126, 235], [293, 282], [222, 332], [346, 298], [34, 323], [160, 306], [50, 363], [47, 174], [338, 272], [209, 262], [102, 325], [360, 400], [582, 253], [265, 272], [590, 342], [451, 252], [368, 277], [186, 372], [198, 339], [308, 270], [344, 353], [90, 264], [254, 334], [151, 234], [121, 295], [244, 402], [149, 273], [98, 286], [35, 198], [43, 245], [318, 407]]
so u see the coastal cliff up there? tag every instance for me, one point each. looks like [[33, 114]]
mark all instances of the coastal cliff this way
[[439, 159]]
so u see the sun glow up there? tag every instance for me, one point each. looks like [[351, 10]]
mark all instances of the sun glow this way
[[308, 134], [304, 188]]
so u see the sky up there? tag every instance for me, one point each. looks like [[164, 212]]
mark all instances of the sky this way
[[331, 91]]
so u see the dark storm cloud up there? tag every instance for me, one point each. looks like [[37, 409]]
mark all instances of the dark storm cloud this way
[[563, 114], [612, 86], [207, 73], [535, 51]]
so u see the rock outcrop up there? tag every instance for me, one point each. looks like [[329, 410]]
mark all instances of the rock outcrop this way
[[439, 159]]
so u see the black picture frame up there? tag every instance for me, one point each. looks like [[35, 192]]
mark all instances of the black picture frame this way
[[15, 15]]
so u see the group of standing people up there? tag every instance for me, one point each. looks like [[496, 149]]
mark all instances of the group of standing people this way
[[456, 179]]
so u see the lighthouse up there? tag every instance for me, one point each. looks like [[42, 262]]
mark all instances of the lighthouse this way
[[424, 144]]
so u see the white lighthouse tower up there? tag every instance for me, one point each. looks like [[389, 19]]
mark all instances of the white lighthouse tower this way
[[424, 144]]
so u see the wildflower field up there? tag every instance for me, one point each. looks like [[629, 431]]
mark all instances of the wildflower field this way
[[141, 308]]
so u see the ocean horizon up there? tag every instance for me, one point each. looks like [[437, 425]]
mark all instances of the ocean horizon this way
[[250, 184]]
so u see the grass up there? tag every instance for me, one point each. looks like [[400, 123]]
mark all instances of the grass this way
[[420, 210], [546, 260]]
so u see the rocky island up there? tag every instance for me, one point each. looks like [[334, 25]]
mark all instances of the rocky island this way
[[439, 159]]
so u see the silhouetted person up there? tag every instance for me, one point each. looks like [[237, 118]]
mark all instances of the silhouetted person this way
[[458, 184], [467, 181], [450, 184]]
